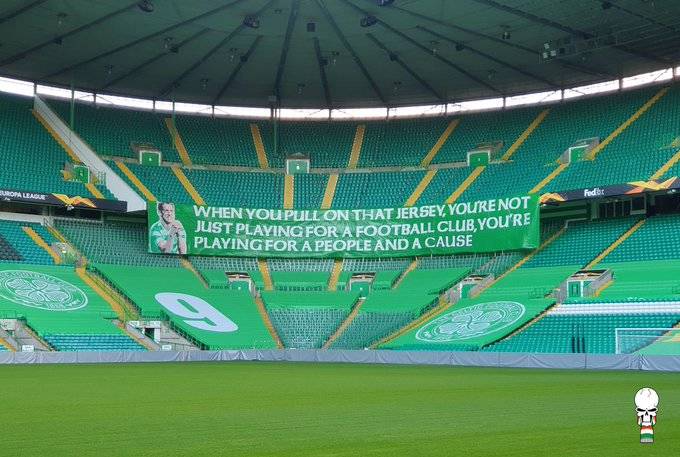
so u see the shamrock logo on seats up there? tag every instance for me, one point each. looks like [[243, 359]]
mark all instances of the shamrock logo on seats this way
[[471, 322], [39, 290]]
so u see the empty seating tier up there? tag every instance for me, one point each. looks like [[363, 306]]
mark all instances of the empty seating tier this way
[[32, 159], [113, 242], [60, 308], [305, 320], [655, 240], [17, 246], [590, 333], [212, 319], [382, 313], [113, 131]]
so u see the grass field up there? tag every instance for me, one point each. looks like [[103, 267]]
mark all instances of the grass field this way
[[275, 409]]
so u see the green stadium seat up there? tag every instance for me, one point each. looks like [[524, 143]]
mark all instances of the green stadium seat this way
[[110, 131], [305, 320], [60, 308], [32, 159], [113, 242], [16, 246]]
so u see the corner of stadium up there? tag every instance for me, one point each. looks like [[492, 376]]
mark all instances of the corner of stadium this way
[[339, 227]]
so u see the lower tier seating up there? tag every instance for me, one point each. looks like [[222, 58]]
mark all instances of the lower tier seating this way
[[305, 320], [85, 342], [211, 318], [367, 328], [590, 333], [642, 281], [381, 314], [113, 242], [60, 308], [581, 242], [651, 241], [17, 246], [300, 281], [431, 281], [474, 322]]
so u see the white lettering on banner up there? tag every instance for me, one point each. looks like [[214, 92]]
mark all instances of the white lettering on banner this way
[[596, 192], [196, 312]]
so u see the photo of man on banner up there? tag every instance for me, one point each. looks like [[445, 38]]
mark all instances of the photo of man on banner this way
[[167, 235]]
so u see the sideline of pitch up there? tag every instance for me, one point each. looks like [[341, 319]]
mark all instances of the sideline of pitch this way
[[471, 359]]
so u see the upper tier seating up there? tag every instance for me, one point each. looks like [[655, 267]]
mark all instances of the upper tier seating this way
[[32, 159], [635, 154], [251, 190], [328, 144], [111, 131], [444, 183], [400, 141], [117, 243], [61, 309], [16, 246], [567, 123], [160, 181], [309, 190], [375, 190], [487, 127], [217, 140]]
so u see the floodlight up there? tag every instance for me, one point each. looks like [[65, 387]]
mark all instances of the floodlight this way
[[252, 21], [368, 21], [146, 6]]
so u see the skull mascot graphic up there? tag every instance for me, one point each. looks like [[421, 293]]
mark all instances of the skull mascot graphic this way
[[646, 401]]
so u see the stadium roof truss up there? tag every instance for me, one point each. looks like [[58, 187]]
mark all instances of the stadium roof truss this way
[[317, 54]]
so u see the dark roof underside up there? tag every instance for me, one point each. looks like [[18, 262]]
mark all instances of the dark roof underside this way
[[418, 52]]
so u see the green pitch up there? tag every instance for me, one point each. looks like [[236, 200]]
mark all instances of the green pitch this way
[[273, 409]]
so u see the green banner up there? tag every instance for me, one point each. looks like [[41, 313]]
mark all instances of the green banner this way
[[479, 226]]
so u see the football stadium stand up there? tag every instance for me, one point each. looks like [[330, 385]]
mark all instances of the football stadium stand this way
[[327, 144], [113, 242], [113, 131], [590, 332], [61, 309], [211, 319], [24, 140], [17, 246], [217, 141], [537, 158], [305, 320], [360, 164]]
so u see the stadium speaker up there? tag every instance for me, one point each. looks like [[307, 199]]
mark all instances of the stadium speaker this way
[[384, 2], [311, 27], [368, 21]]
